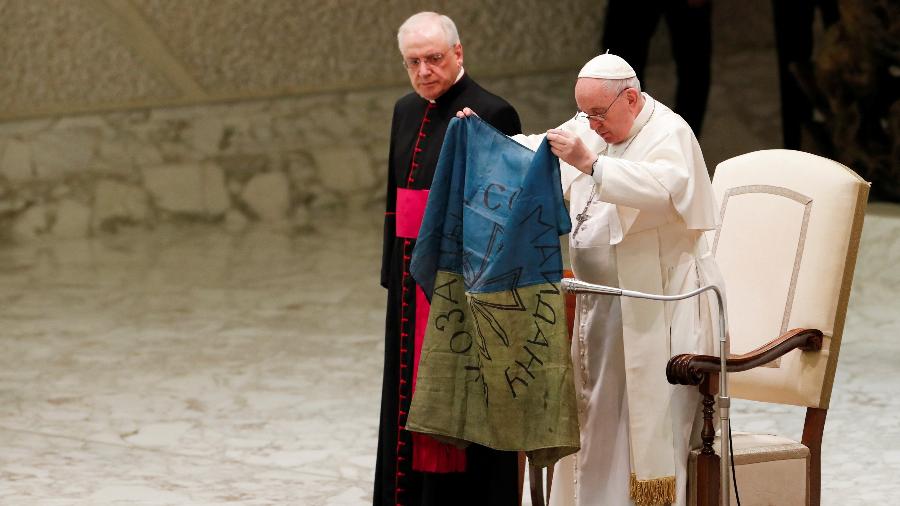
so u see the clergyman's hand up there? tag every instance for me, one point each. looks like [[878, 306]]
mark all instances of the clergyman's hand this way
[[571, 149], [465, 112]]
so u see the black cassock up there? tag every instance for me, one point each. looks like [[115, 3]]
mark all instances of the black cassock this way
[[490, 476]]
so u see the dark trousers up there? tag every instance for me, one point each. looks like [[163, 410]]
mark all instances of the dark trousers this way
[[627, 33], [794, 43]]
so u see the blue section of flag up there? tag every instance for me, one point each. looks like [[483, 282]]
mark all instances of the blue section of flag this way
[[494, 215]]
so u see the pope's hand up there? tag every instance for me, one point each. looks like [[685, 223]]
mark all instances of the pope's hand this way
[[465, 112], [571, 149]]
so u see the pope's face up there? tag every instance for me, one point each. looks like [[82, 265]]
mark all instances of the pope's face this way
[[431, 63], [610, 114]]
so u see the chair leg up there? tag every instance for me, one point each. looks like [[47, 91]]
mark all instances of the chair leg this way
[[708, 461], [536, 479], [813, 428], [521, 475], [549, 481], [535, 482]]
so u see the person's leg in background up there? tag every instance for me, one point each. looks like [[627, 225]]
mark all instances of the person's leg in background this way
[[793, 42], [690, 29], [628, 28]]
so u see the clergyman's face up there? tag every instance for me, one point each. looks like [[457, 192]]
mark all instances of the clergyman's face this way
[[431, 79], [617, 109]]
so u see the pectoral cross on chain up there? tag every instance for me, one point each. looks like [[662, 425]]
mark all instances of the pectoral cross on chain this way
[[580, 218], [583, 216]]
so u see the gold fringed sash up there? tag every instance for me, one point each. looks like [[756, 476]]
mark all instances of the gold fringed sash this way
[[652, 492]]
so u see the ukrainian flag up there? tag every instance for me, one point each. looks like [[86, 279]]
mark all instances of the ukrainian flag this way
[[495, 367]]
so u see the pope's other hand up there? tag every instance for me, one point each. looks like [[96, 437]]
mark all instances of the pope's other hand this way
[[571, 149], [465, 112]]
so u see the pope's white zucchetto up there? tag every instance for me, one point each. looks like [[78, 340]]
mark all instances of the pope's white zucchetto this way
[[607, 66]]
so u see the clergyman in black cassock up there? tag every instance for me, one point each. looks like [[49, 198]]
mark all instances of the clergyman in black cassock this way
[[476, 475]]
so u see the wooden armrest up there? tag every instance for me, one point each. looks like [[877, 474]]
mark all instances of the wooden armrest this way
[[690, 369]]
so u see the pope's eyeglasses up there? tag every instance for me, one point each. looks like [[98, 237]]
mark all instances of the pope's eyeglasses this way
[[600, 117]]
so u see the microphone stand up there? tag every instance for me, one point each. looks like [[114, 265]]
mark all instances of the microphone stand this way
[[573, 285]]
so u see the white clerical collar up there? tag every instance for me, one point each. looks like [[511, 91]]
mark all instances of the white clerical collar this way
[[458, 77]]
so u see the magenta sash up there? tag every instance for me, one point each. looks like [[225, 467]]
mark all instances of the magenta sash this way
[[410, 210], [429, 455]]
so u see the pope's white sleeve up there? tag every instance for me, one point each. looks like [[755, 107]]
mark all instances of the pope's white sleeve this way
[[529, 141], [568, 176], [650, 185]]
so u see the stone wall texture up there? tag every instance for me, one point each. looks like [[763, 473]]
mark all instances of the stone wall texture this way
[[140, 112], [64, 56], [278, 161]]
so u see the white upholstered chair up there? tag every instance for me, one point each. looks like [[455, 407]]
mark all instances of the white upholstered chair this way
[[787, 245]]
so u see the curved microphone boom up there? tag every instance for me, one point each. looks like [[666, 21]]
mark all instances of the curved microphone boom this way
[[573, 285]]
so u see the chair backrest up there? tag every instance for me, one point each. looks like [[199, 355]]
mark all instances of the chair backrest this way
[[790, 228]]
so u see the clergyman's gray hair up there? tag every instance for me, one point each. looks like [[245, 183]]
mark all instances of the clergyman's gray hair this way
[[423, 18], [616, 86]]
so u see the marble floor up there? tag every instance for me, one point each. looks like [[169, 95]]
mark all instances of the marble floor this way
[[189, 366], [185, 365]]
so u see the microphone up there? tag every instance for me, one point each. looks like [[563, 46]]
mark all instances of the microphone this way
[[576, 286]]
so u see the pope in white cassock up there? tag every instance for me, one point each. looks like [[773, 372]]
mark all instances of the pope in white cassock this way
[[640, 199]]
